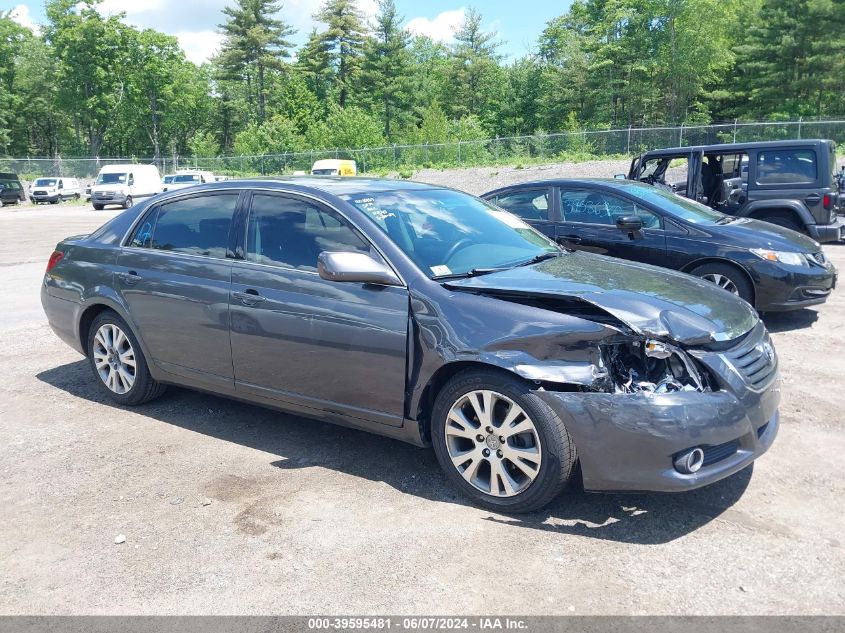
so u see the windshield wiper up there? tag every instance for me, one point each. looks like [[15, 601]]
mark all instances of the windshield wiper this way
[[475, 272], [539, 258]]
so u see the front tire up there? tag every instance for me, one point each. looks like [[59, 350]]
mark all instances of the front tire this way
[[128, 202], [118, 363], [728, 278], [499, 443], [98, 207]]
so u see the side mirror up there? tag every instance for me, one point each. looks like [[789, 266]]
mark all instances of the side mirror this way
[[355, 267], [630, 223], [619, 176]]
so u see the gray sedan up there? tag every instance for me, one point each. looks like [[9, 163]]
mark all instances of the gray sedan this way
[[430, 316]]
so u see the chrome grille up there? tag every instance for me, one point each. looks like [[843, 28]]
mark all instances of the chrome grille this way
[[755, 359]]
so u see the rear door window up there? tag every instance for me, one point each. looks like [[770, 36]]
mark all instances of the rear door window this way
[[786, 167], [531, 204], [196, 226]]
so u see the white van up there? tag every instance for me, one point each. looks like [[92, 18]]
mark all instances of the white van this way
[[53, 190], [188, 178], [121, 184]]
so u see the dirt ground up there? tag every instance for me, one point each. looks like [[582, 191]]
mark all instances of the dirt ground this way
[[230, 508]]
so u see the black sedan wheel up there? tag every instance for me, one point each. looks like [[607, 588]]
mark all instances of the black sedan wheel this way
[[728, 278], [118, 363], [499, 443]]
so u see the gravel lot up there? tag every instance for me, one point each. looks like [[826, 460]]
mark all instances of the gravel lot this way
[[230, 508]]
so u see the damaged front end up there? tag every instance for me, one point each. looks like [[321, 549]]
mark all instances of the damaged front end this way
[[652, 366]]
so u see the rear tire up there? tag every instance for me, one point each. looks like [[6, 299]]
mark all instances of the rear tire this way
[[118, 363], [522, 474], [728, 278]]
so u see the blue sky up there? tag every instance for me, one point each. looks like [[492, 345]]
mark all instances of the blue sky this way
[[194, 22]]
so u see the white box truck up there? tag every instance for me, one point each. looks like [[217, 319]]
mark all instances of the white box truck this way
[[123, 184]]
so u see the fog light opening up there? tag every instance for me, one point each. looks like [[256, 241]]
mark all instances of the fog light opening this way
[[690, 461]]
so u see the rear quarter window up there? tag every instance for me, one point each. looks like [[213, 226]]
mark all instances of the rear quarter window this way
[[786, 167]]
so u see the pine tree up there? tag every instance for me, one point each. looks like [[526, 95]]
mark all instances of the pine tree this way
[[343, 40], [255, 41], [387, 65], [474, 58]]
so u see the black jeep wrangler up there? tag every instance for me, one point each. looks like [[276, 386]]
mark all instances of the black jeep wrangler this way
[[790, 183]]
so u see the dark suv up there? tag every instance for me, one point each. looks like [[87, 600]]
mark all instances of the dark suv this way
[[11, 189], [790, 183]]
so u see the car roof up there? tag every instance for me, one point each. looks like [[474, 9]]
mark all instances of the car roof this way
[[729, 147], [608, 183], [334, 185]]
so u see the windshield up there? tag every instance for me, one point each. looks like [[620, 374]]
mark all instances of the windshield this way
[[451, 233], [111, 179], [676, 206], [168, 179], [324, 172], [45, 182], [186, 178]]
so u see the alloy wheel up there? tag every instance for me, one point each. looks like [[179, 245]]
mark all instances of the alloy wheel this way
[[114, 358], [493, 443], [722, 282]]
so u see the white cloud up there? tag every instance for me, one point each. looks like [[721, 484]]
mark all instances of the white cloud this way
[[442, 28], [22, 16], [129, 7], [199, 46]]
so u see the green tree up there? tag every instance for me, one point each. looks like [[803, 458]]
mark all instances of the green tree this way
[[343, 42], [274, 136], [791, 61], [474, 63], [349, 128], [94, 56], [387, 65], [13, 38], [312, 64], [255, 41]]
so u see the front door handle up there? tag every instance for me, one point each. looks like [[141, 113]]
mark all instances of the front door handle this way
[[249, 298], [129, 278], [572, 239]]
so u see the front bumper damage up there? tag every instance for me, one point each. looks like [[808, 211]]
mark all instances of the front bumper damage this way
[[627, 442]]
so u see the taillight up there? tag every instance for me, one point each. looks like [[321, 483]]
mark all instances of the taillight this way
[[55, 258], [827, 200]]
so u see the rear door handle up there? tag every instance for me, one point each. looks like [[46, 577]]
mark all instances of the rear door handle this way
[[572, 239], [129, 278], [249, 298]]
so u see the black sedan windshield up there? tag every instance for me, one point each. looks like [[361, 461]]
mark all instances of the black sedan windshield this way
[[675, 205], [448, 233]]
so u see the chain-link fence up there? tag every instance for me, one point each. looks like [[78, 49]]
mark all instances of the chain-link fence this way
[[578, 145]]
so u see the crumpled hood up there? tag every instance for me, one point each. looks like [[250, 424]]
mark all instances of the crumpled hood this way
[[650, 300]]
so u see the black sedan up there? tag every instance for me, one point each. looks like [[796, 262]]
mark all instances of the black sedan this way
[[429, 316], [771, 267]]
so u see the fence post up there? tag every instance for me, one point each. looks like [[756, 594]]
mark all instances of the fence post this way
[[335, 153], [262, 165], [800, 120], [459, 152], [681, 135], [628, 148], [394, 157], [426, 152], [735, 122], [364, 159]]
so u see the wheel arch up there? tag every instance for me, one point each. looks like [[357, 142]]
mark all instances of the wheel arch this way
[[96, 307], [446, 372], [791, 209], [688, 268]]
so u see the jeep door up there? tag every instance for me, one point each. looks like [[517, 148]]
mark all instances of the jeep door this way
[[333, 347]]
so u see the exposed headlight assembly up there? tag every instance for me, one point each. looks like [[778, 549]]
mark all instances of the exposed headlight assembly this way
[[653, 366], [784, 257]]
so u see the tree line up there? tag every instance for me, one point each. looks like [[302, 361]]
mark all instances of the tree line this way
[[91, 85]]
